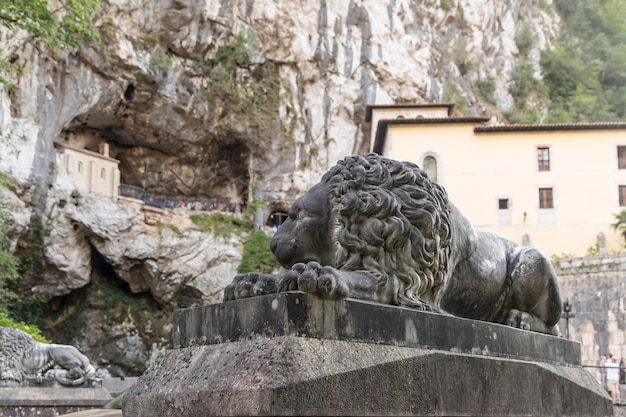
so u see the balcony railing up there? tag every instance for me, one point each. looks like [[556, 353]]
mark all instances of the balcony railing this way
[[166, 202]]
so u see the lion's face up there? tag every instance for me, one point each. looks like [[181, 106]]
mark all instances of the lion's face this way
[[305, 235]]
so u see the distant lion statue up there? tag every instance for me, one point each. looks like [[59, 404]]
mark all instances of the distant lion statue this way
[[378, 229], [21, 355]]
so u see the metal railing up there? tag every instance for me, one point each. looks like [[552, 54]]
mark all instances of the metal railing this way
[[166, 202]]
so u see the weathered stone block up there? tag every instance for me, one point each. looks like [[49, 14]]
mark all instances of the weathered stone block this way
[[48, 398], [295, 354]]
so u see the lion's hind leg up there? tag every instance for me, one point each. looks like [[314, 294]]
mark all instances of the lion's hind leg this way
[[535, 303]]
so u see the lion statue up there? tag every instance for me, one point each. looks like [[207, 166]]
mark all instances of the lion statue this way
[[379, 230], [21, 355]]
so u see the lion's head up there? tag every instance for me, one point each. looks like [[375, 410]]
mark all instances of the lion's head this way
[[375, 214]]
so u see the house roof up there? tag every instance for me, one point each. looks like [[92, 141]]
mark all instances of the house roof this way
[[548, 127], [370, 107], [61, 148], [381, 129]]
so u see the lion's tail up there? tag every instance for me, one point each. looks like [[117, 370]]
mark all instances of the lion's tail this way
[[89, 372]]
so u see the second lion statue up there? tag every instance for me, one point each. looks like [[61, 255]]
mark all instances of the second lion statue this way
[[378, 229]]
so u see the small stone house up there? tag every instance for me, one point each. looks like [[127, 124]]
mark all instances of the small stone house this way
[[93, 172]]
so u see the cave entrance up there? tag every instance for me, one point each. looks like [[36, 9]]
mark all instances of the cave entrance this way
[[278, 215]]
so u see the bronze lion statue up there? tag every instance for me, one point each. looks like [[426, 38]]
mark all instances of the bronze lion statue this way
[[378, 229]]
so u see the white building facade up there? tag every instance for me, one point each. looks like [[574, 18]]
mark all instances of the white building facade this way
[[556, 187]]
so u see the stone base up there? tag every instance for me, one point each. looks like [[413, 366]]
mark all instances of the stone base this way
[[48, 398], [294, 354]]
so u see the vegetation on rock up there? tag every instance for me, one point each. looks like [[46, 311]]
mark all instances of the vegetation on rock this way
[[256, 254], [9, 264], [222, 224], [69, 25], [9, 274], [584, 74], [66, 26]]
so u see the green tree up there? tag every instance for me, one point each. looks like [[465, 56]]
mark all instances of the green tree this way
[[63, 27], [586, 72], [620, 223]]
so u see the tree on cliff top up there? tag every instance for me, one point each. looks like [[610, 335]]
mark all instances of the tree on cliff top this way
[[65, 26]]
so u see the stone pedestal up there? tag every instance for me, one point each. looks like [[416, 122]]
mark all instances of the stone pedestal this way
[[48, 398], [295, 354]]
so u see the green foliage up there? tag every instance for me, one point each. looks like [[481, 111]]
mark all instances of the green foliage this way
[[525, 85], [446, 5], [9, 264], [34, 248], [32, 330], [452, 93], [29, 309], [486, 89], [222, 224], [586, 72], [593, 250], [257, 256], [160, 61], [525, 39], [253, 100], [64, 27], [172, 227], [12, 269], [236, 54], [620, 223]]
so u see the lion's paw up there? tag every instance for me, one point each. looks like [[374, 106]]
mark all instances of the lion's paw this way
[[250, 285], [520, 319], [324, 281]]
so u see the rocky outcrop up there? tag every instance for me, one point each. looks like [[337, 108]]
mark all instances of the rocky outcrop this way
[[235, 99]]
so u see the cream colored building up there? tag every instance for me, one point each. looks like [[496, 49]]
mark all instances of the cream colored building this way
[[92, 172], [556, 187]]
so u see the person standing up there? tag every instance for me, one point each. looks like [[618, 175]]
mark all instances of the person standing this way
[[612, 376], [602, 368]]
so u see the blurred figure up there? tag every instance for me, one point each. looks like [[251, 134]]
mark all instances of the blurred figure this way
[[612, 376], [602, 364]]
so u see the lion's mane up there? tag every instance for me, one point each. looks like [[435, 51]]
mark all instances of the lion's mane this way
[[14, 345], [391, 220]]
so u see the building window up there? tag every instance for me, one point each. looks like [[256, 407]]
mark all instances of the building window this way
[[430, 166], [621, 157], [545, 198], [102, 173], [80, 166], [622, 195], [504, 212], [543, 158]]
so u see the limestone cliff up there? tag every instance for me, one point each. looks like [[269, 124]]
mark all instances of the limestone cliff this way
[[233, 100]]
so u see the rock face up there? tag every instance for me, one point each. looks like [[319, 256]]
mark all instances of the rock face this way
[[249, 100]]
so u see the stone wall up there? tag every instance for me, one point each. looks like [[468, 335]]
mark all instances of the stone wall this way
[[595, 286]]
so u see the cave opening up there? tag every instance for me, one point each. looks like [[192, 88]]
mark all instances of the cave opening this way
[[216, 170], [279, 212]]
